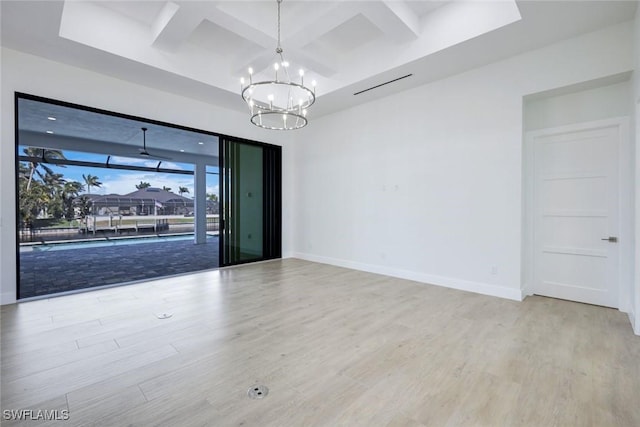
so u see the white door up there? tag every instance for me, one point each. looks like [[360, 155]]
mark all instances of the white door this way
[[575, 219]]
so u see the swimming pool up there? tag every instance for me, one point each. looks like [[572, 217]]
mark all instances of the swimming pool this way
[[48, 247]]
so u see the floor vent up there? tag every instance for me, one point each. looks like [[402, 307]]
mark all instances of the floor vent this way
[[257, 392]]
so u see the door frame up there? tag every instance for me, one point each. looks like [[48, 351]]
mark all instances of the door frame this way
[[625, 205], [271, 201]]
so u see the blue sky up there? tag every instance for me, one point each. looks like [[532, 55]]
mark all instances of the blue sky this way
[[115, 181]]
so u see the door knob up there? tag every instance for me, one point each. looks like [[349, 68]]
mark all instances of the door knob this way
[[611, 239]]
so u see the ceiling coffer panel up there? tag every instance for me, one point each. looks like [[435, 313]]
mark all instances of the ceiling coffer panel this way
[[347, 37], [220, 41]]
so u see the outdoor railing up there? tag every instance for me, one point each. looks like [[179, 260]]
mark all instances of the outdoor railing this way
[[116, 225]]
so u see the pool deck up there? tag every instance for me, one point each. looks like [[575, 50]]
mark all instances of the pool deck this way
[[51, 272]]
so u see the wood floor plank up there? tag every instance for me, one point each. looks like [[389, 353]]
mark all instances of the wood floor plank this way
[[26, 364], [335, 347]]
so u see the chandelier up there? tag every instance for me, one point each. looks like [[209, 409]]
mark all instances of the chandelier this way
[[279, 104]]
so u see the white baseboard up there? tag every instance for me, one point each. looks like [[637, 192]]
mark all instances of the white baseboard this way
[[526, 291], [7, 298], [634, 325], [448, 282]]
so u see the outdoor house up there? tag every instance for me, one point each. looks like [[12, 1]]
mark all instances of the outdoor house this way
[[146, 201], [145, 210]]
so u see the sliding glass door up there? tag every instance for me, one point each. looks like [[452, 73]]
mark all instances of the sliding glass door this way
[[251, 201], [95, 208]]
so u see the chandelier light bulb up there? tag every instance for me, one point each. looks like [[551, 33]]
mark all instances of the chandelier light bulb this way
[[285, 64], [250, 70], [276, 66], [301, 72]]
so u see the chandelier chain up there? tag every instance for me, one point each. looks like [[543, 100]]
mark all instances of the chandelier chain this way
[[279, 47]]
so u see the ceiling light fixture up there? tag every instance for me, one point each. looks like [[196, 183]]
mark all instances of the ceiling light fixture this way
[[279, 104], [51, 118], [49, 131]]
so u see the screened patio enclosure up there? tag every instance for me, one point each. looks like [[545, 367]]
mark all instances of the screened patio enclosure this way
[[98, 203]]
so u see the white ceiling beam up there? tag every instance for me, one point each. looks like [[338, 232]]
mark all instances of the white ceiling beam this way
[[235, 25], [314, 27], [162, 20], [174, 25], [316, 63], [319, 25], [394, 18], [258, 62]]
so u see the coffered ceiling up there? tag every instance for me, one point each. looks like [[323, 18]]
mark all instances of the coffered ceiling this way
[[201, 48]]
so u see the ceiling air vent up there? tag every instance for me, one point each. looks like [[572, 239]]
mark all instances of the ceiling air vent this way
[[382, 84]]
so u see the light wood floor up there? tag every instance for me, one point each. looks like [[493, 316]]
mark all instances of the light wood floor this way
[[334, 346]]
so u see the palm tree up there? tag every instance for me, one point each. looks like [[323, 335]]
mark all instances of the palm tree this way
[[165, 188], [212, 197], [55, 181], [73, 188], [23, 171], [54, 185], [32, 202], [143, 185], [91, 181], [84, 207], [182, 190], [70, 191], [36, 165]]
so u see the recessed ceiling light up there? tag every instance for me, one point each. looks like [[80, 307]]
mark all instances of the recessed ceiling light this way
[[49, 131], [51, 118], [201, 143], [182, 151]]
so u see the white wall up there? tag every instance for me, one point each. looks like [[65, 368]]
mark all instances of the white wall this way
[[426, 184], [38, 76], [636, 131]]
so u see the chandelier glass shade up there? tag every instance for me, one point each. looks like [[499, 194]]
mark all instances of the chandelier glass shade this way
[[282, 103]]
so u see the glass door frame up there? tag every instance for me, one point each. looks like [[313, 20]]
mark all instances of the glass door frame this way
[[271, 201]]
